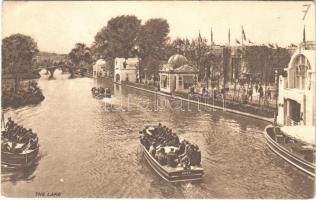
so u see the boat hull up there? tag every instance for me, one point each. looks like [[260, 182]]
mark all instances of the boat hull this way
[[173, 176], [301, 164], [15, 160]]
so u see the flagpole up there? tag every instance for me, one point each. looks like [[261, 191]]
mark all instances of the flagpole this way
[[229, 37], [304, 36], [242, 37], [212, 38]]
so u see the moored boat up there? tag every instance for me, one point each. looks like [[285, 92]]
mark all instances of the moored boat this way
[[177, 173], [298, 152]]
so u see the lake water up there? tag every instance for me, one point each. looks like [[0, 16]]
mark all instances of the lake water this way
[[90, 147]]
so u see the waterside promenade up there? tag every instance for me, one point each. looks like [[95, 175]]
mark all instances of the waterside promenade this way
[[226, 105]]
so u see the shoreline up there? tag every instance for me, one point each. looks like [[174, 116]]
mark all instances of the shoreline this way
[[270, 120]]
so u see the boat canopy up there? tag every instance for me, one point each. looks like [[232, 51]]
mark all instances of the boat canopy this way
[[303, 133]]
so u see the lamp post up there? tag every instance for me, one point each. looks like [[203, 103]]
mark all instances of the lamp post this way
[[277, 89]]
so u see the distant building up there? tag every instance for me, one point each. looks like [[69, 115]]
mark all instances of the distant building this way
[[99, 69], [177, 75], [296, 102], [126, 70]]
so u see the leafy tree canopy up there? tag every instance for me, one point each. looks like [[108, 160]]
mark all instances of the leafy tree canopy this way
[[119, 37], [81, 53], [18, 51]]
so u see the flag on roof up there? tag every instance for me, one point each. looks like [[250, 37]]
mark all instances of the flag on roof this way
[[243, 34], [229, 36]]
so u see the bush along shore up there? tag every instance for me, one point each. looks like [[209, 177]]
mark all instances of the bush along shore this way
[[261, 111], [22, 96]]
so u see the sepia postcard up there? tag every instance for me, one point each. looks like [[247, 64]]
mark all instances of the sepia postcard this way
[[158, 99]]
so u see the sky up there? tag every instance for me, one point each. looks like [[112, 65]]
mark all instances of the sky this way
[[57, 26]]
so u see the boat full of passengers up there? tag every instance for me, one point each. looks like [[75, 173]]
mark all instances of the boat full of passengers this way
[[172, 159], [19, 146]]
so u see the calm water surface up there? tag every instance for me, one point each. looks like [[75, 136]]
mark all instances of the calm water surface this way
[[90, 148]]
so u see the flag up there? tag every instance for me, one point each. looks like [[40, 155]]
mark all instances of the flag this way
[[243, 34], [212, 41], [304, 35], [237, 41]]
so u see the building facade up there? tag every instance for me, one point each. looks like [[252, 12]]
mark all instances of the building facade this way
[[177, 75], [296, 101], [99, 69], [126, 70]]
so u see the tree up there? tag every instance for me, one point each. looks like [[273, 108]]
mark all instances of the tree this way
[[18, 52], [262, 60], [80, 54], [152, 44], [118, 38]]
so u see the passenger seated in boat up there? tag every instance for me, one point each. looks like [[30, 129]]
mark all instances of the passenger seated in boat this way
[[145, 140], [161, 156], [21, 134], [5, 147], [152, 149], [196, 156], [182, 147], [185, 162], [33, 142], [27, 136], [187, 152], [15, 132], [101, 90], [172, 158], [9, 124]]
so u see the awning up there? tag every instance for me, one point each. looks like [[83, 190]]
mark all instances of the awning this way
[[303, 133]]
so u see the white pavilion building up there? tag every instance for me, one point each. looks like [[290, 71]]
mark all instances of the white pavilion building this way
[[296, 101], [126, 70], [177, 75]]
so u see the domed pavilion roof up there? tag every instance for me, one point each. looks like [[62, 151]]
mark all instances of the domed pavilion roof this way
[[177, 60], [100, 62]]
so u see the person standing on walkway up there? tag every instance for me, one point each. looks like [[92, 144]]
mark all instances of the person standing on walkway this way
[[269, 93], [260, 90], [250, 94]]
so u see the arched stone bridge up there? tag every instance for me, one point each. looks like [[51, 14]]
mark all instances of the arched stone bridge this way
[[71, 69]]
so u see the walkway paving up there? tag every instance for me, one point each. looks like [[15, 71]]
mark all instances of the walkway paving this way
[[204, 104]]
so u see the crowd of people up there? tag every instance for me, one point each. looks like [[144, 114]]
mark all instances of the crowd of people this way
[[166, 147], [245, 94], [15, 134]]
